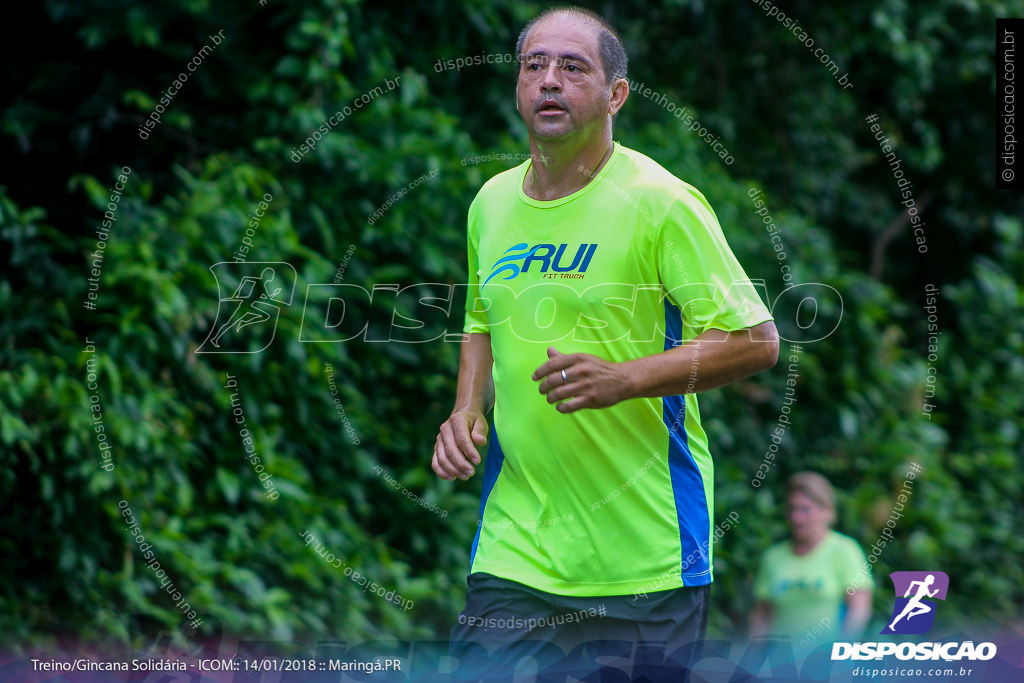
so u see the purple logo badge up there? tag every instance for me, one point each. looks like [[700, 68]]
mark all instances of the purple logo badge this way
[[916, 593]]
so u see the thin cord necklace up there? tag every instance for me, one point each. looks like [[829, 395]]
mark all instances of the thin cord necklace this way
[[590, 176]]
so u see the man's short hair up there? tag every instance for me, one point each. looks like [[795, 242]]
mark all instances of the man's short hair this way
[[814, 486], [613, 55]]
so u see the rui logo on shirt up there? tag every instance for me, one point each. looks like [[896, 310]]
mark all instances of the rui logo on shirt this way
[[801, 586], [550, 258]]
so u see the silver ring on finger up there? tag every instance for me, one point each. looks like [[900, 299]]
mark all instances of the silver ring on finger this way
[[565, 378]]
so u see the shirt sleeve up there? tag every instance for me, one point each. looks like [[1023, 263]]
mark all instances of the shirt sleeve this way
[[476, 318], [851, 564], [700, 273], [762, 584]]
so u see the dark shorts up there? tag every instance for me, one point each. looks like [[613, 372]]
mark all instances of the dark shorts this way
[[510, 630]]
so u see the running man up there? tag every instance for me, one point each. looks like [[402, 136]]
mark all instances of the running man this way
[[250, 308], [915, 606], [623, 301]]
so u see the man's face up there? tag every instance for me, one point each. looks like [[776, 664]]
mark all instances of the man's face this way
[[561, 89], [807, 519]]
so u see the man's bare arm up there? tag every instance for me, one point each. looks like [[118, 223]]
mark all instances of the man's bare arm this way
[[455, 451], [761, 619], [858, 612], [710, 360]]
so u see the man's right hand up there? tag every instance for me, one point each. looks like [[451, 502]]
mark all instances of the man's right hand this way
[[455, 451]]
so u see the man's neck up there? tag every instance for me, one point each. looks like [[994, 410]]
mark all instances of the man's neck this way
[[558, 171], [804, 546]]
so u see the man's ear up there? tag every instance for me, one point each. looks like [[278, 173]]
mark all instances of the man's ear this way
[[620, 93]]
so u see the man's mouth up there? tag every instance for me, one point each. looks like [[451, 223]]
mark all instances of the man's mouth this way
[[550, 109]]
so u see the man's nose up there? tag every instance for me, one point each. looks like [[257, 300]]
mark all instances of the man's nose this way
[[552, 77]]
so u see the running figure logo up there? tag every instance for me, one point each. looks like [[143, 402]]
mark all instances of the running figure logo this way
[[914, 613], [259, 290]]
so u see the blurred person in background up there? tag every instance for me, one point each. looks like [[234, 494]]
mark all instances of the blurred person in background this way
[[801, 587]]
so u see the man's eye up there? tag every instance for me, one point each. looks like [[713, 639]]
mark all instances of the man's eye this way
[[571, 67], [533, 66]]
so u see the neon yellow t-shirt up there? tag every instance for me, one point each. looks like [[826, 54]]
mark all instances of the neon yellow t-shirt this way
[[618, 500], [808, 592]]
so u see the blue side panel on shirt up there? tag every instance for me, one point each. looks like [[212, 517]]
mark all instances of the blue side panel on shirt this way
[[687, 484], [492, 467]]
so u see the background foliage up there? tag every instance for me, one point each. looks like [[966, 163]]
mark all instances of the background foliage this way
[[89, 73]]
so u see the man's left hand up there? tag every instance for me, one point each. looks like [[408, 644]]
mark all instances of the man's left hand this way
[[592, 382]]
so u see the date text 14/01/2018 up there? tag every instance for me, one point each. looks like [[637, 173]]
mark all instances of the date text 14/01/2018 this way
[[274, 664]]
